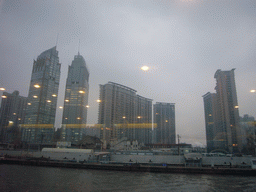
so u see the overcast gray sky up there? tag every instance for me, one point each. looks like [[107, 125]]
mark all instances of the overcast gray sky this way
[[183, 42]]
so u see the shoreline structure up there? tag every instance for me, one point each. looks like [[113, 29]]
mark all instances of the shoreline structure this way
[[135, 162]]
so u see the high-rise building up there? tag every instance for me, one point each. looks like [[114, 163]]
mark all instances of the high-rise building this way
[[248, 130], [164, 118], [143, 120], [42, 98], [226, 129], [123, 113], [76, 101], [12, 114], [214, 141]]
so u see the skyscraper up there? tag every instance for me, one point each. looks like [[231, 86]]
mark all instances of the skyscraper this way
[[123, 113], [76, 101], [42, 98], [226, 127], [12, 114], [164, 118], [214, 141]]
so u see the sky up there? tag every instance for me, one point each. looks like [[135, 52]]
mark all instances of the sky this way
[[184, 42]]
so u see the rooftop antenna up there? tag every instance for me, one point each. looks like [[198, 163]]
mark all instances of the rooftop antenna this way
[[57, 39], [79, 47]]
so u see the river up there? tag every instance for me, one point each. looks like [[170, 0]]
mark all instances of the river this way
[[30, 178]]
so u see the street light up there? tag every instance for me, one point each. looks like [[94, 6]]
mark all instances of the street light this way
[[2, 89], [98, 100], [37, 86]]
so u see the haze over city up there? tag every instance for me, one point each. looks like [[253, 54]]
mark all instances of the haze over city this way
[[183, 42]]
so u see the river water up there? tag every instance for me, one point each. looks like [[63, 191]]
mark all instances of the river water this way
[[30, 178]]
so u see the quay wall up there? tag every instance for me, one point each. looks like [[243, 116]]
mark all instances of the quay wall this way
[[121, 158], [236, 161], [163, 159]]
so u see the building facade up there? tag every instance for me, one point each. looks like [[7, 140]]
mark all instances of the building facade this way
[[143, 120], [76, 101], [12, 114], [213, 140], [226, 127], [164, 118], [42, 98], [248, 132], [123, 113]]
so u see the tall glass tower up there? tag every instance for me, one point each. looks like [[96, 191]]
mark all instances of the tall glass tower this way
[[42, 98], [76, 101]]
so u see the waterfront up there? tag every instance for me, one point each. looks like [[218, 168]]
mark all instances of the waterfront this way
[[30, 178]]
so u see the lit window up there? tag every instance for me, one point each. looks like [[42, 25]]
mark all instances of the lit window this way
[[54, 95], [66, 100], [35, 96], [37, 86], [29, 103], [4, 96], [81, 91], [48, 101]]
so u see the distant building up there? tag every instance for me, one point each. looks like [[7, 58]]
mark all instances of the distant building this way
[[143, 120], [42, 98], [12, 113], [76, 101], [164, 118], [213, 140], [123, 113], [92, 130], [248, 132], [226, 129]]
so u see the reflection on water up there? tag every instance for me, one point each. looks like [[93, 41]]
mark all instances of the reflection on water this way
[[26, 178]]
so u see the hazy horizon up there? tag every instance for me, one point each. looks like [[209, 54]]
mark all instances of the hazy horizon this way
[[184, 42]]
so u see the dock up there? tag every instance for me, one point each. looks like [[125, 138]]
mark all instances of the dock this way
[[132, 167]]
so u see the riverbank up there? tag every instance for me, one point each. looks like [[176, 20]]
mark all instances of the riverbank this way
[[132, 167]]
